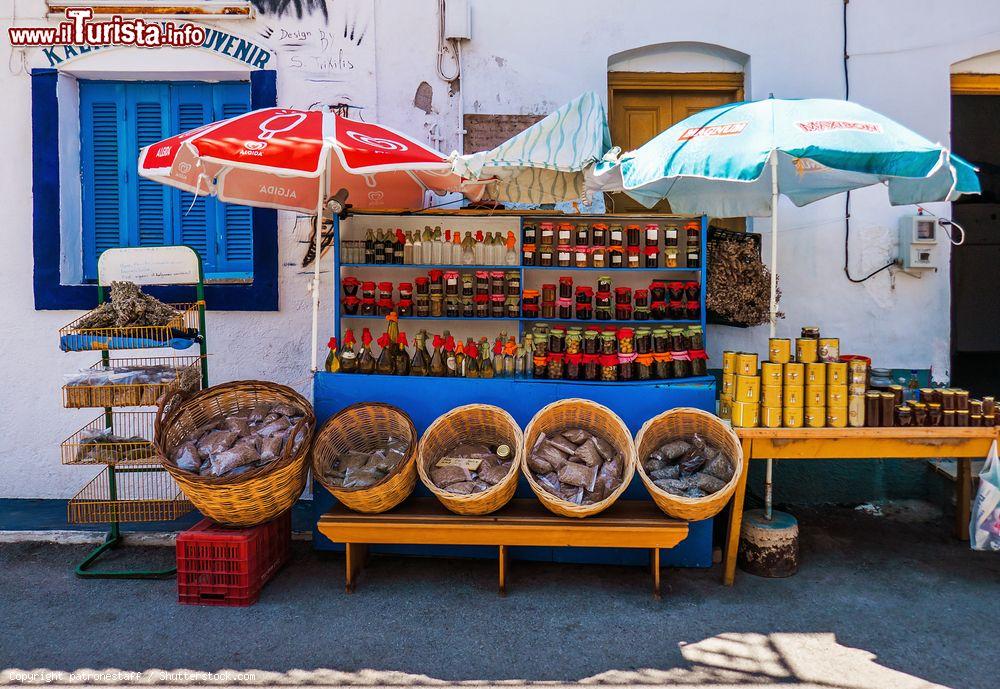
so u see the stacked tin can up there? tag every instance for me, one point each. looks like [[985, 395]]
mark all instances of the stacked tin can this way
[[740, 398]]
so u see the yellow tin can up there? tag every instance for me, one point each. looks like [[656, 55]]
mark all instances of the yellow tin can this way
[[746, 414], [836, 417], [855, 389], [815, 396], [795, 374], [856, 410], [794, 396], [771, 395], [815, 417], [725, 408], [806, 350], [770, 417], [836, 396], [792, 417], [746, 364], [816, 373], [829, 348], [728, 384], [729, 362], [779, 350], [747, 389], [771, 373], [836, 373]]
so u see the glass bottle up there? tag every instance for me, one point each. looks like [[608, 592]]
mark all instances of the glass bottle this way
[[366, 362], [398, 247], [437, 363], [348, 357], [479, 249], [386, 363], [401, 358], [390, 247], [379, 247], [421, 362], [510, 358], [332, 364], [408, 250], [486, 369], [455, 248], [459, 360], [468, 249], [369, 246], [498, 348], [418, 249], [436, 247], [510, 255]]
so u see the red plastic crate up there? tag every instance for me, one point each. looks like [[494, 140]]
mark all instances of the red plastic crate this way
[[221, 565]]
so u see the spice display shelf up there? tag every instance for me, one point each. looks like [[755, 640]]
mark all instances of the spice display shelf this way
[[616, 271], [591, 321], [431, 266], [383, 378]]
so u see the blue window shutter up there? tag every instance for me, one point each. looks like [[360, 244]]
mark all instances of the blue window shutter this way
[[194, 221], [103, 155], [234, 223], [149, 106]]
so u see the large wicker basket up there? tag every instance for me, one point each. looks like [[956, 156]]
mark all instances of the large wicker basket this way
[[592, 417], [258, 495], [364, 427], [681, 422], [482, 423]]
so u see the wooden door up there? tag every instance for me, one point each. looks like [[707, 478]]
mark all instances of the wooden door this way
[[643, 104]]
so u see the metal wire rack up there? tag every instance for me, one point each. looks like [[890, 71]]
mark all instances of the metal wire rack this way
[[132, 382], [116, 437], [128, 494], [184, 325]]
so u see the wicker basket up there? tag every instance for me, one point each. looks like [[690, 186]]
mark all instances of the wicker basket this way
[[471, 423], [680, 422], [247, 499], [592, 417], [364, 427]]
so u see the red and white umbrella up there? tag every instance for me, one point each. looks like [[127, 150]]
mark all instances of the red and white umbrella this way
[[289, 159]]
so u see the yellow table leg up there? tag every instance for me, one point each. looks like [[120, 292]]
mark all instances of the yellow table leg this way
[[655, 555], [736, 517], [355, 555], [963, 498], [504, 567]]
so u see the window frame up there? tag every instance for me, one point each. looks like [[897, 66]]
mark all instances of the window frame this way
[[259, 294]]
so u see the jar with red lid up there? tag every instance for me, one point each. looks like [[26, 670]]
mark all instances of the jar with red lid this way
[[658, 290], [565, 287], [623, 312], [546, 256], [564, 256], [385, 306], [368, 306], [584, 302], [574, 366], [681, 364], [598, 234], [530, 297], [437, 281], [404, 308], [699, 362], [675, 291], [582, 234], [405, 290], [482, 282], [634, 258], [549, 292], [546, 234], [623, 295], [548, 309], [423, 285], [367, 290], [482, 302], [616, 257], [556, 365], [693, 231], [677, 310], [615, 236], [581, 252], [652, 232], [564, 307], [609, 368], [632, 235], [350, 286], [693, 310], [498, 305], [652, 257], [602, 306], [658, 310], [385, 290], [564, 233], [451, 283], [641, 313], [351, 305], [641, 297], [529, 310], [598, 257], [497, 283]]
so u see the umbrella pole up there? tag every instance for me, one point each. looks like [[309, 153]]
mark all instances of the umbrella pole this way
[[315, 280], [768, 488]]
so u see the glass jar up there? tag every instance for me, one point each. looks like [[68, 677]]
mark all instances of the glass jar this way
[[658, 310], [679, 340], [615, 236], [530, 311], [564, 308], [919, 412], [652, 234], [530, 297], [529, 255], [565, 287], [468, 307], [564, 256], [692, 290], [598, 234], [598, 257], [452, 307], [652, 257], [670, 257], [351, 305], [904, 416], [602, 306], [581, 234], [405, 290], [451, 287], [564, 233], [482, 302], [675, 291], [623, 295], [633, 258], [574, 336], [881, 378], [436, 281], [557, 341], [584, 303], [367, 290], [643, 366], [513, 306], [404, 308], [437, 305], [548, 309], [482, 282], [498, 305], [609, 368], [632, 235], [385, 307], [580, 253], [677, 310], [384, 290], [616, 257], [658, 290], [546, 256], [693, 245], [540, 366], [422, 307], [573, 369], [699, 363], [693, 310], [626, 341], [609, 341], [584, 312], [350, 286], [423, 285], [604, 283], [498, 284], [681, 364], [641, 297], [529, 234], [670, 234], [641, 313], [513, 282], [591, 343], [548, 292], [696, 337], [591, 366], [623, 312], [546, 235], [934, 414]]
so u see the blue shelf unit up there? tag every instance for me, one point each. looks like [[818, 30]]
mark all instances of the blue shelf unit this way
[[427, 398]]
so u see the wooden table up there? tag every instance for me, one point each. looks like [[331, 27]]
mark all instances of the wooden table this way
[[523, 522], [859, 443]]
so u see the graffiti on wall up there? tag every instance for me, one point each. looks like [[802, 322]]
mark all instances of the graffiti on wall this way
[[296, 8]]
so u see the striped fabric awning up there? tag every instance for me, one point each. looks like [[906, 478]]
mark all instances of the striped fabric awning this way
[[545, 162]]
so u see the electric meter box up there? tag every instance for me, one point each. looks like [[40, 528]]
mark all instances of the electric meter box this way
[[458, 20], [918, 239]]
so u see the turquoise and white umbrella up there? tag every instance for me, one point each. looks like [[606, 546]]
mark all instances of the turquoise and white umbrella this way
[[736, 159], [546, 162]]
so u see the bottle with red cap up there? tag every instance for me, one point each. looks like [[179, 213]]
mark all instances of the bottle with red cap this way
[[366, 361], [332, 364], [348, 357]]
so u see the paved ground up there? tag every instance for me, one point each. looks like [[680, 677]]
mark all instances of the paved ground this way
[[879, 603]]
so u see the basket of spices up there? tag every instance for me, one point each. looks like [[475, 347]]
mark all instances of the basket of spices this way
[[690, 461], [239, 450], [578, 457], [365, 455], [468, 458]]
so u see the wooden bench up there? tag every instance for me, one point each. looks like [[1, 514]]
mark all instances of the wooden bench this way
[[523, 522]]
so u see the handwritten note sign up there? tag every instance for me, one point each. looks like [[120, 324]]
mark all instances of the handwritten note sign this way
[[154, 265]]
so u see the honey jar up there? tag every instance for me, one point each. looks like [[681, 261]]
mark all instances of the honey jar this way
[[795, 374], [806, 350], [816, 373], [793, 396], [779, 350], [836, 373], [771, 373], [747, 389], [771, 395], [792, 417], [770, 417], [815, 417], [746, 414], [746, 364]]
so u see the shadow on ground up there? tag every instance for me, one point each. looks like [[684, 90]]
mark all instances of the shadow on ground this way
[[878, 603]]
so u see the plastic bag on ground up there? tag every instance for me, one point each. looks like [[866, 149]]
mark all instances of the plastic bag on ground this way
[[984, 527]]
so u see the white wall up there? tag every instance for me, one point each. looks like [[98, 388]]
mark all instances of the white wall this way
[[527, 56]]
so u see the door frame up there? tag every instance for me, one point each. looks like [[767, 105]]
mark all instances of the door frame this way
[[674, 81]]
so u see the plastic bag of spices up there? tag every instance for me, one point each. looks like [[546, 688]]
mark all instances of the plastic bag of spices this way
[[984, 528]]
